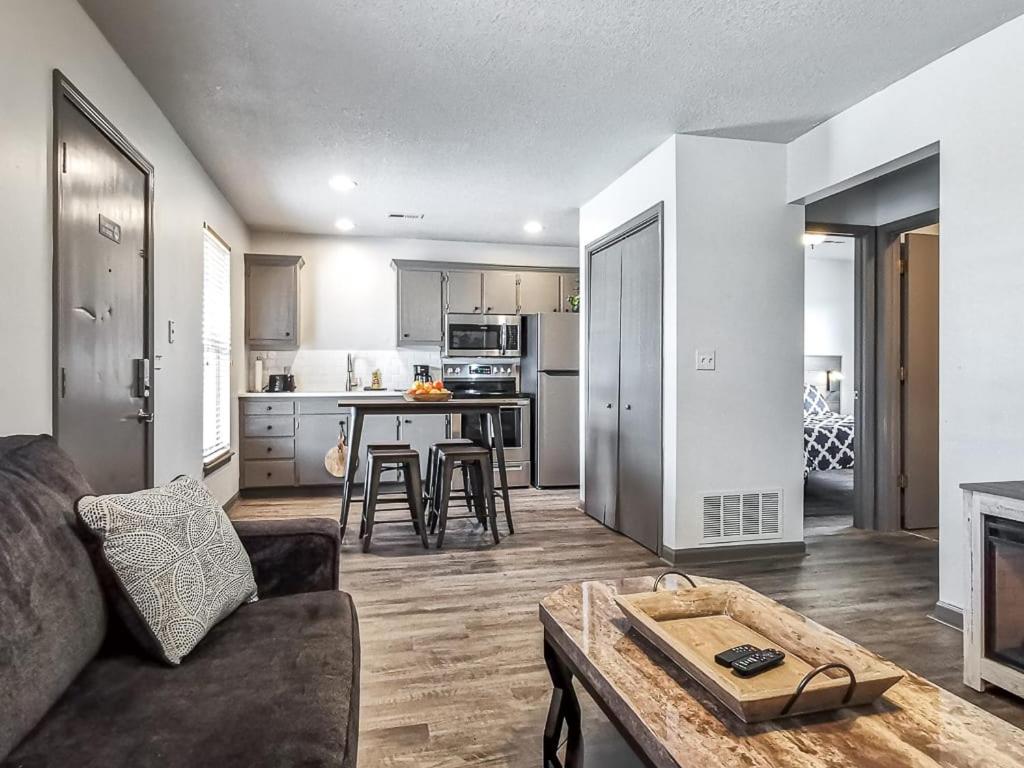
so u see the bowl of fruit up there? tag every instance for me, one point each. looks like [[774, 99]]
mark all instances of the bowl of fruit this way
[[428, 392]]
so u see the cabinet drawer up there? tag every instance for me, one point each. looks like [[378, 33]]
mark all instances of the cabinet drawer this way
[[269, 473], [268, 448], [268, 407], [269, 426], [322, 405]]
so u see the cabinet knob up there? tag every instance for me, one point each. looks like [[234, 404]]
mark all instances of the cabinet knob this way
[[270, 407], [490, 308], [405, 335], [270, 474], [476, 309], [609, 405], [629, 407], [269, 449], [287, 333], [271, 426]]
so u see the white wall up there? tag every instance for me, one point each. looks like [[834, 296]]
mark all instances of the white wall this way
[[35, 38], [349, 288], [733, 283], [971, 103], [740, 292], [649, 182], [828, 308]]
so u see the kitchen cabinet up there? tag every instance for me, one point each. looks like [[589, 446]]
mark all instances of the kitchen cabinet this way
[[420, 307], [570, 286], [623, 471], [500, 292], [423, 431], [465, 292], [539, 292], [272, 301], [315, 436]]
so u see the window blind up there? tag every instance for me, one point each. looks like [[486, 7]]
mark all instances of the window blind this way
[[216, 346]]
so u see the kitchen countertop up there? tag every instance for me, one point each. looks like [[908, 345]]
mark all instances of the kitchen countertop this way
[[353, 393], [1012, 489]]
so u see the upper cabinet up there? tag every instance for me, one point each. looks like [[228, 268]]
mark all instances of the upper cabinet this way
[[538, 292], [272, 301], [420, 310], [570, 288], [500, 296], [465, 292], [428, 290]]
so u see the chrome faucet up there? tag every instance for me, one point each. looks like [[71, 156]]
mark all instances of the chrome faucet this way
[[350, 380]]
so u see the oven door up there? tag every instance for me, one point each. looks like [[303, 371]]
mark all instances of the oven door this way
[[515, 429], [480, 336]]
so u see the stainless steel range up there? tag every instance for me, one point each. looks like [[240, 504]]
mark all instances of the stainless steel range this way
[[468, 378]]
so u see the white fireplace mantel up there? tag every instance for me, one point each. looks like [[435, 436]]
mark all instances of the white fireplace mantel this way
[[981, 500]]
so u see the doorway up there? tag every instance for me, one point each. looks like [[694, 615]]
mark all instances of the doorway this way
[[623, 431], [830, 379], [103, 287]]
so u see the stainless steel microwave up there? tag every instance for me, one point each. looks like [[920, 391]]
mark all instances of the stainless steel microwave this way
[[468, 335]]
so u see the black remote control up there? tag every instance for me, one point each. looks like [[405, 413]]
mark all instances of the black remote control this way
[[758, 662], [726, 658]]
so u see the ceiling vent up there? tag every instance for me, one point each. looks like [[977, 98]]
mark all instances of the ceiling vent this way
[[410, 216], [741, 516]]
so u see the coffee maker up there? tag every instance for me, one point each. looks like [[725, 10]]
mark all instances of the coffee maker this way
[[421, 373]]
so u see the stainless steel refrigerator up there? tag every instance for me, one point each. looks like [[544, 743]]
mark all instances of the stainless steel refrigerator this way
[[550, 375]]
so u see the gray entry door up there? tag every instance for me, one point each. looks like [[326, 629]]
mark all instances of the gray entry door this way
[[920, 391], [602, 436], [101, 305], [640, 428]]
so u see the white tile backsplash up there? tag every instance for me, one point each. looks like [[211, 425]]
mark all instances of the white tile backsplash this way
[[324, 370]]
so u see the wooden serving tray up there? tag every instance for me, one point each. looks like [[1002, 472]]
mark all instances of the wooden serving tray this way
[[693, 624]]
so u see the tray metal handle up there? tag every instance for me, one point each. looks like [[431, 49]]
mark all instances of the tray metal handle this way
[[813, 674], [671, 572]]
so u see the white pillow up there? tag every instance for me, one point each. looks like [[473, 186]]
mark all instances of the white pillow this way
[[177, 561]]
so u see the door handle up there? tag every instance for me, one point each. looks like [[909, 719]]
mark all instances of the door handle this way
[[144, 418]]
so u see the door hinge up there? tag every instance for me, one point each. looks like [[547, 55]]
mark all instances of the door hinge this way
[[903, 265], [902, 480], [903, 373], [63, 382], [142, 253], [63, 157]]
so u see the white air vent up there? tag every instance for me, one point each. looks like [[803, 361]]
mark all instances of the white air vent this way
[[412, 216], [741, 516]]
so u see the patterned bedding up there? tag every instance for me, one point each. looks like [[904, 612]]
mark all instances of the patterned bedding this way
[[828, 436]]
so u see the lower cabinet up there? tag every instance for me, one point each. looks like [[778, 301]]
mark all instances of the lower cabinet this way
[[421, 432], [283, 450], [315, 436]]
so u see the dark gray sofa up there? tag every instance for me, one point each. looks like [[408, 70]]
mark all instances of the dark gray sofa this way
[[275, 684]]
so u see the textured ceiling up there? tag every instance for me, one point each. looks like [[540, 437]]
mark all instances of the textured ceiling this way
[[482, 114]]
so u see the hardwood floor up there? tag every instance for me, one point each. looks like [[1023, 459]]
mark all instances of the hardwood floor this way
[[452, 672]]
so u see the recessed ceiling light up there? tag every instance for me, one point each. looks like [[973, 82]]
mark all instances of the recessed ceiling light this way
[[341, 184], [345, 225], [533, 227]]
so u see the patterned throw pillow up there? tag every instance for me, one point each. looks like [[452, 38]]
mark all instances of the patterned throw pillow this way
[[176, 560]]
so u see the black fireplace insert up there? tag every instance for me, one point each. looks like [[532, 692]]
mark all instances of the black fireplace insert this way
[[1004, 591]]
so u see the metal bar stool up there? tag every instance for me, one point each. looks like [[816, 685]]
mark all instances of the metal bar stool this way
[[477, 460], [364, 460], [409, 461], [433, 488]]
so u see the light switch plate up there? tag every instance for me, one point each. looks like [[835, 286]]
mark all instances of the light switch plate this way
[[705, 360]]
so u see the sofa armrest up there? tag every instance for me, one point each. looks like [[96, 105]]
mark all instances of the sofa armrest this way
[[293, 555]]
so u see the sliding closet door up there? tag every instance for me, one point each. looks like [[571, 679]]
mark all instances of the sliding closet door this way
[[602, 451], [640, 428]]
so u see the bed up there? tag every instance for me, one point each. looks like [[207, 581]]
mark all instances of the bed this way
[[828, 436]]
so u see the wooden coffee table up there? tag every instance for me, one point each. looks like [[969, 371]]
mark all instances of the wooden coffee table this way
[[670, 721]]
